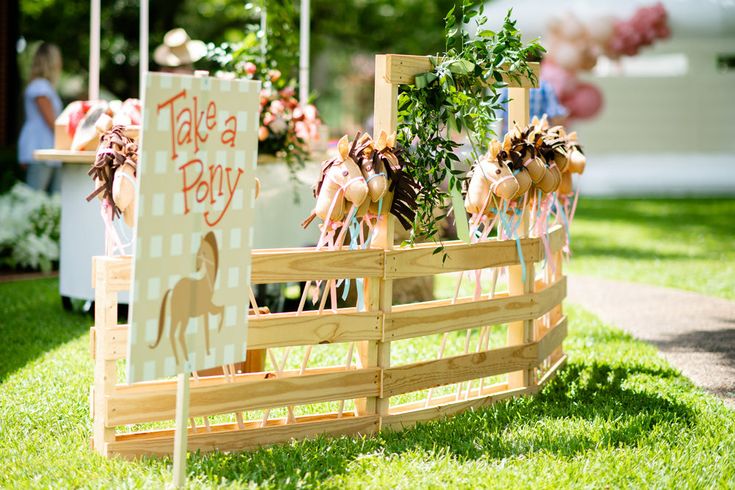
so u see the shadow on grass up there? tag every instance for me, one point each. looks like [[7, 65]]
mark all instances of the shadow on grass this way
[[33, 322], [592, 397]]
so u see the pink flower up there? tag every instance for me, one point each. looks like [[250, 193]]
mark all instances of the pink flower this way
[[310, 112], [302, 130], [288, 92], [277, 107], [268, 118], [298, 113], [274, 75], [250, 68]]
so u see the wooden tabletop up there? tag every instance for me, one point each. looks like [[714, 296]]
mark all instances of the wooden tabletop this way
[[87, 157]]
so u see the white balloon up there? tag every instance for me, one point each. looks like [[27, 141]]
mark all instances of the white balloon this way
[[600, 29], [567, 55]]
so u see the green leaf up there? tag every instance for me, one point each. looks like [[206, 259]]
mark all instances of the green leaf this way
[[461, 67], [423, 80]]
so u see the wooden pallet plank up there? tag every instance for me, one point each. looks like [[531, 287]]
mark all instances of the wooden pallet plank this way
[[284, 329], [422, 260], [312, 328], [292, 266], [439, 372], [219, 379], [407, 321], [407, 419], [247, 439], [126, 407], [272, 266], [402, 69]]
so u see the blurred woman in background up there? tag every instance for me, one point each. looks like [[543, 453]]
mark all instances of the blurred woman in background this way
[[42, 106]]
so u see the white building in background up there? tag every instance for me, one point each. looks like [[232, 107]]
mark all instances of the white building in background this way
[[668, 124]]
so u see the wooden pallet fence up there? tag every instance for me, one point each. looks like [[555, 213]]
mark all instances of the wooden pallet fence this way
[[531, 310], [147, 402]]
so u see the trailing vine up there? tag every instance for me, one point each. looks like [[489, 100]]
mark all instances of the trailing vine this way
[[461, 95]]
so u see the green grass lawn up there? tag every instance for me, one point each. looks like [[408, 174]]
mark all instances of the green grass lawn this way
[[616, 416], [680, 243]]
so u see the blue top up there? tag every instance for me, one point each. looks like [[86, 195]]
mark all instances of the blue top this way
[[542, 100], [36, 134]]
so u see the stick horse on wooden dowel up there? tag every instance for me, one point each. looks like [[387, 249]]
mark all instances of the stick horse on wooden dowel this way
[[191, 297]]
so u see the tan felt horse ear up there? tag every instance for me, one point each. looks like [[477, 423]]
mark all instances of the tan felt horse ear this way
[[572, 136], [516, 131], [344, 147], [495, 149], [544, 123], [392, 140], [535, 121], [507, 142], [382, 138]]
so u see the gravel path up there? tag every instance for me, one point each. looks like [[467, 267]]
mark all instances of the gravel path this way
[[695, 333]]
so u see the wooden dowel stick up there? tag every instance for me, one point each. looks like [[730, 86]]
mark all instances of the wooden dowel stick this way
[[182, 431], [467, 338], [442, 346], [348, 363]]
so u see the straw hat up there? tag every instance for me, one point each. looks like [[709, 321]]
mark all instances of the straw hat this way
[[178, 49]]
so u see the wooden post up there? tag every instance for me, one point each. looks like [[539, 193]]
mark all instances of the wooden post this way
[[182, 429], [379, 291], [520, 332], [105, 369]]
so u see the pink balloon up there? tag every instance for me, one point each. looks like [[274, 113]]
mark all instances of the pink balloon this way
[[562, 81], [585, 102]]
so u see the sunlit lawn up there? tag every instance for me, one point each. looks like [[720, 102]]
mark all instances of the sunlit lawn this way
[[680, 243], [618, 415]]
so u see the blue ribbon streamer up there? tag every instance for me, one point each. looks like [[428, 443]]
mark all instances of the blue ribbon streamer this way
[[512, 227]]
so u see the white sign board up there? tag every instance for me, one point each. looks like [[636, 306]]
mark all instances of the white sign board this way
[[194, 225]]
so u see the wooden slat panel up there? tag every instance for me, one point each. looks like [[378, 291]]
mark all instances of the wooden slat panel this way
[[557, 238], [407, 321], [311, 328], [552, 339], [127, 408], [402, 69], [439, 372], [291, 266], [153, 444], [422, 261], [407, 419]]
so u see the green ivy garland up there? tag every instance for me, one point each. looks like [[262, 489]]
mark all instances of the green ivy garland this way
[[460, 95]]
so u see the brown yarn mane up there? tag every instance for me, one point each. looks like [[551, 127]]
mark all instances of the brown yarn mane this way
[[115, 150]]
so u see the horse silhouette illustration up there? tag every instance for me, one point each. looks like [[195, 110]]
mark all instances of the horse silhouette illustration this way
[[191, 297]]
